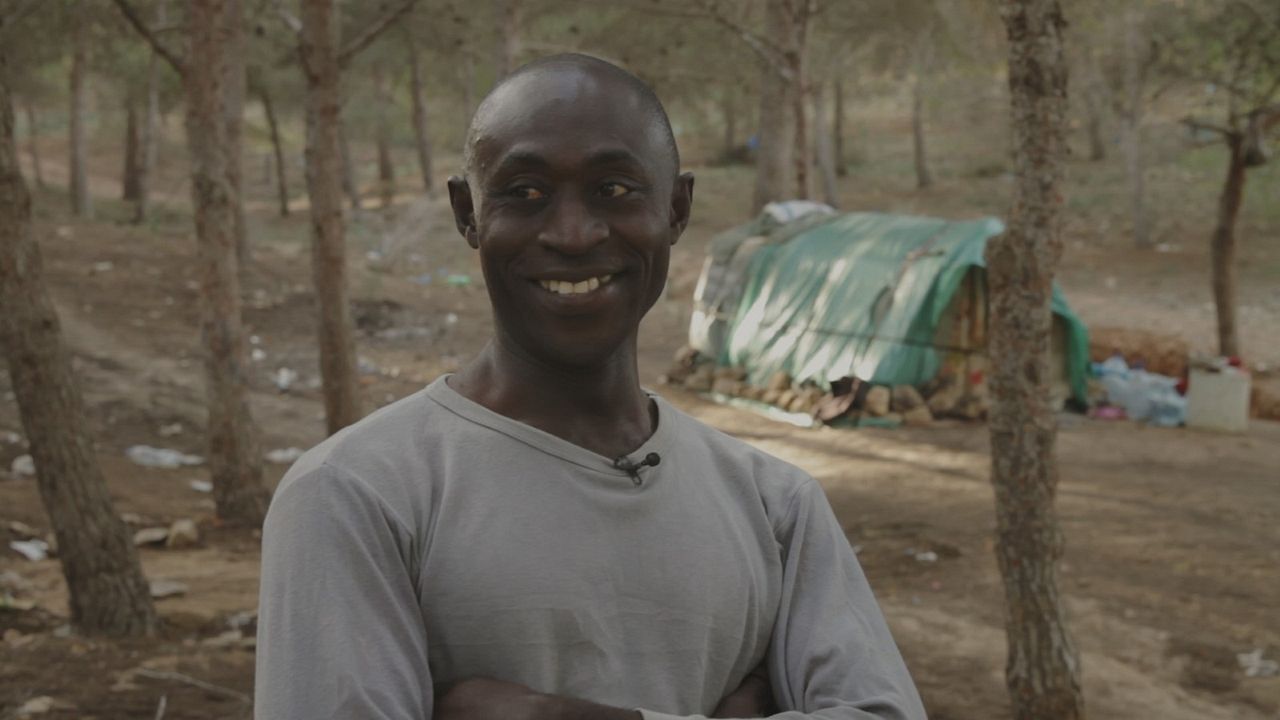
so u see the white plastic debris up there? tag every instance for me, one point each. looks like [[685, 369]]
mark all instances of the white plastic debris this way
[[23, 465], [11, 437], [170, 430], [282, 456], [1254, 665], [148, 456], [254, 340], [162, 588], [150, 536], [103, 266], [284, 378], [451, 319], [37, 706], [258, 355], [203, 486], [927, 557], [33, 550]]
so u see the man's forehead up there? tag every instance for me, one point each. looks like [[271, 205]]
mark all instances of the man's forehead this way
[[555, 104]]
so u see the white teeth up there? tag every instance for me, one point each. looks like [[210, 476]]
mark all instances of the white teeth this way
[[564, 287]]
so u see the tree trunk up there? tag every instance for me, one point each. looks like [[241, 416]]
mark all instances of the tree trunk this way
[[282, 179], [802, 153], [1043, 668], [81, 201], [129, 182], [729, 108], [421, 136], [386, 169], [348, 169], [468, 72], [775, 133], [1223, 248], [108, 594], [328, 241], [1093, 109], [33, 145], [508, 41], [924, 178], [1134, 166], [235, 458], [826, 152], [837, 111], [150, 133], [233, 116]]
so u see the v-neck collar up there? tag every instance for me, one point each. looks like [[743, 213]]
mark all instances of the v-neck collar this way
[[543, 441]]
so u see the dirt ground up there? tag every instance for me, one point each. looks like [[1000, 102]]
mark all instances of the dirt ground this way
[[1172, 554]]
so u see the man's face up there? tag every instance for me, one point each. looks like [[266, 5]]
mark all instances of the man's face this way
[[576, 206]]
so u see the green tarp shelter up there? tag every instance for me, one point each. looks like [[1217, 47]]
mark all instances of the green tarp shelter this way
[[860, 294]]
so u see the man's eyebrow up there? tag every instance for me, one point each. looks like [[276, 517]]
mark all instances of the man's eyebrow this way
[[613, 156], [521, 159]]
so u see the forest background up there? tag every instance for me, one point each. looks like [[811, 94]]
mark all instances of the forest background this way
[[241, 212]]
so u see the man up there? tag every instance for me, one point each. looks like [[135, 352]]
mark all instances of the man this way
[[537, 537]]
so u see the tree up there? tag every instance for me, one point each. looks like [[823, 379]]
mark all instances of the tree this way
[[108, 594], [507, 46], [1234, 46], [235, 457], [322, 61], [418, 104], [81, 200], [382, 138], [1043, 668], [258, 87]]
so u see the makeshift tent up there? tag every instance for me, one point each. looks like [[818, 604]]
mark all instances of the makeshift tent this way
[[890, 299]]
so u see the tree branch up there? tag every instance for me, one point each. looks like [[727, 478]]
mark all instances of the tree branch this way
[[290, 20], [136, 21], [11, 21], [1195, 124], [370, 33]]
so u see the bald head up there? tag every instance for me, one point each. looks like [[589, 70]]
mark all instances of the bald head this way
[[564, 78]]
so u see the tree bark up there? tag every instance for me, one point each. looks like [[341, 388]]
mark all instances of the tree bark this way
[[348, 169], [233, 116], [924, 178], [776, 134], [418, 105], [150, 132], [837, 111], [81, 200], [129, 183], [382, 137], [729, 108], [235, 458], [826, 151], [468, 72], [802, 154], [328, 239], [33, 145], [1094, 108], [1134, 166], [277, 147], [1223, 248], [108, 593], [1043, 668], [508, 14]]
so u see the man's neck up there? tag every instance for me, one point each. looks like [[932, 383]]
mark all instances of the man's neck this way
[[601, 408]]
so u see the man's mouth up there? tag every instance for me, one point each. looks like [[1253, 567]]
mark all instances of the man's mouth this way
[[565, 287]]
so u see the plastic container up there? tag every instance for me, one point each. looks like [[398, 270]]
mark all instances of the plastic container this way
[[1218, 400]]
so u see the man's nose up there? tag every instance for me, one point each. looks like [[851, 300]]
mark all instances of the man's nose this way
[[572, 229]]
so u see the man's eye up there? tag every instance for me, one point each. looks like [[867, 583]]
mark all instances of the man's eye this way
[[526, 192], [613, 189]]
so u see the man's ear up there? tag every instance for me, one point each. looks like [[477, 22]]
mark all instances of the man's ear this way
[[681, 204], [464, 213]]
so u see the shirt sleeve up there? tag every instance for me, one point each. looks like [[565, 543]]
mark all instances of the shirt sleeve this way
[[340, 631], [831, 656]]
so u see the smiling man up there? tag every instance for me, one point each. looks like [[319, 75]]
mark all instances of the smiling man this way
[[536, 537]]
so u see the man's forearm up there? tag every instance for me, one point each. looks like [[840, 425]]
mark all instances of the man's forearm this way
[[558, 707]]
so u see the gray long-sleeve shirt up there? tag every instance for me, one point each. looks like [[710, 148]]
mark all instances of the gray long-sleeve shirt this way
[[437, 540]]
